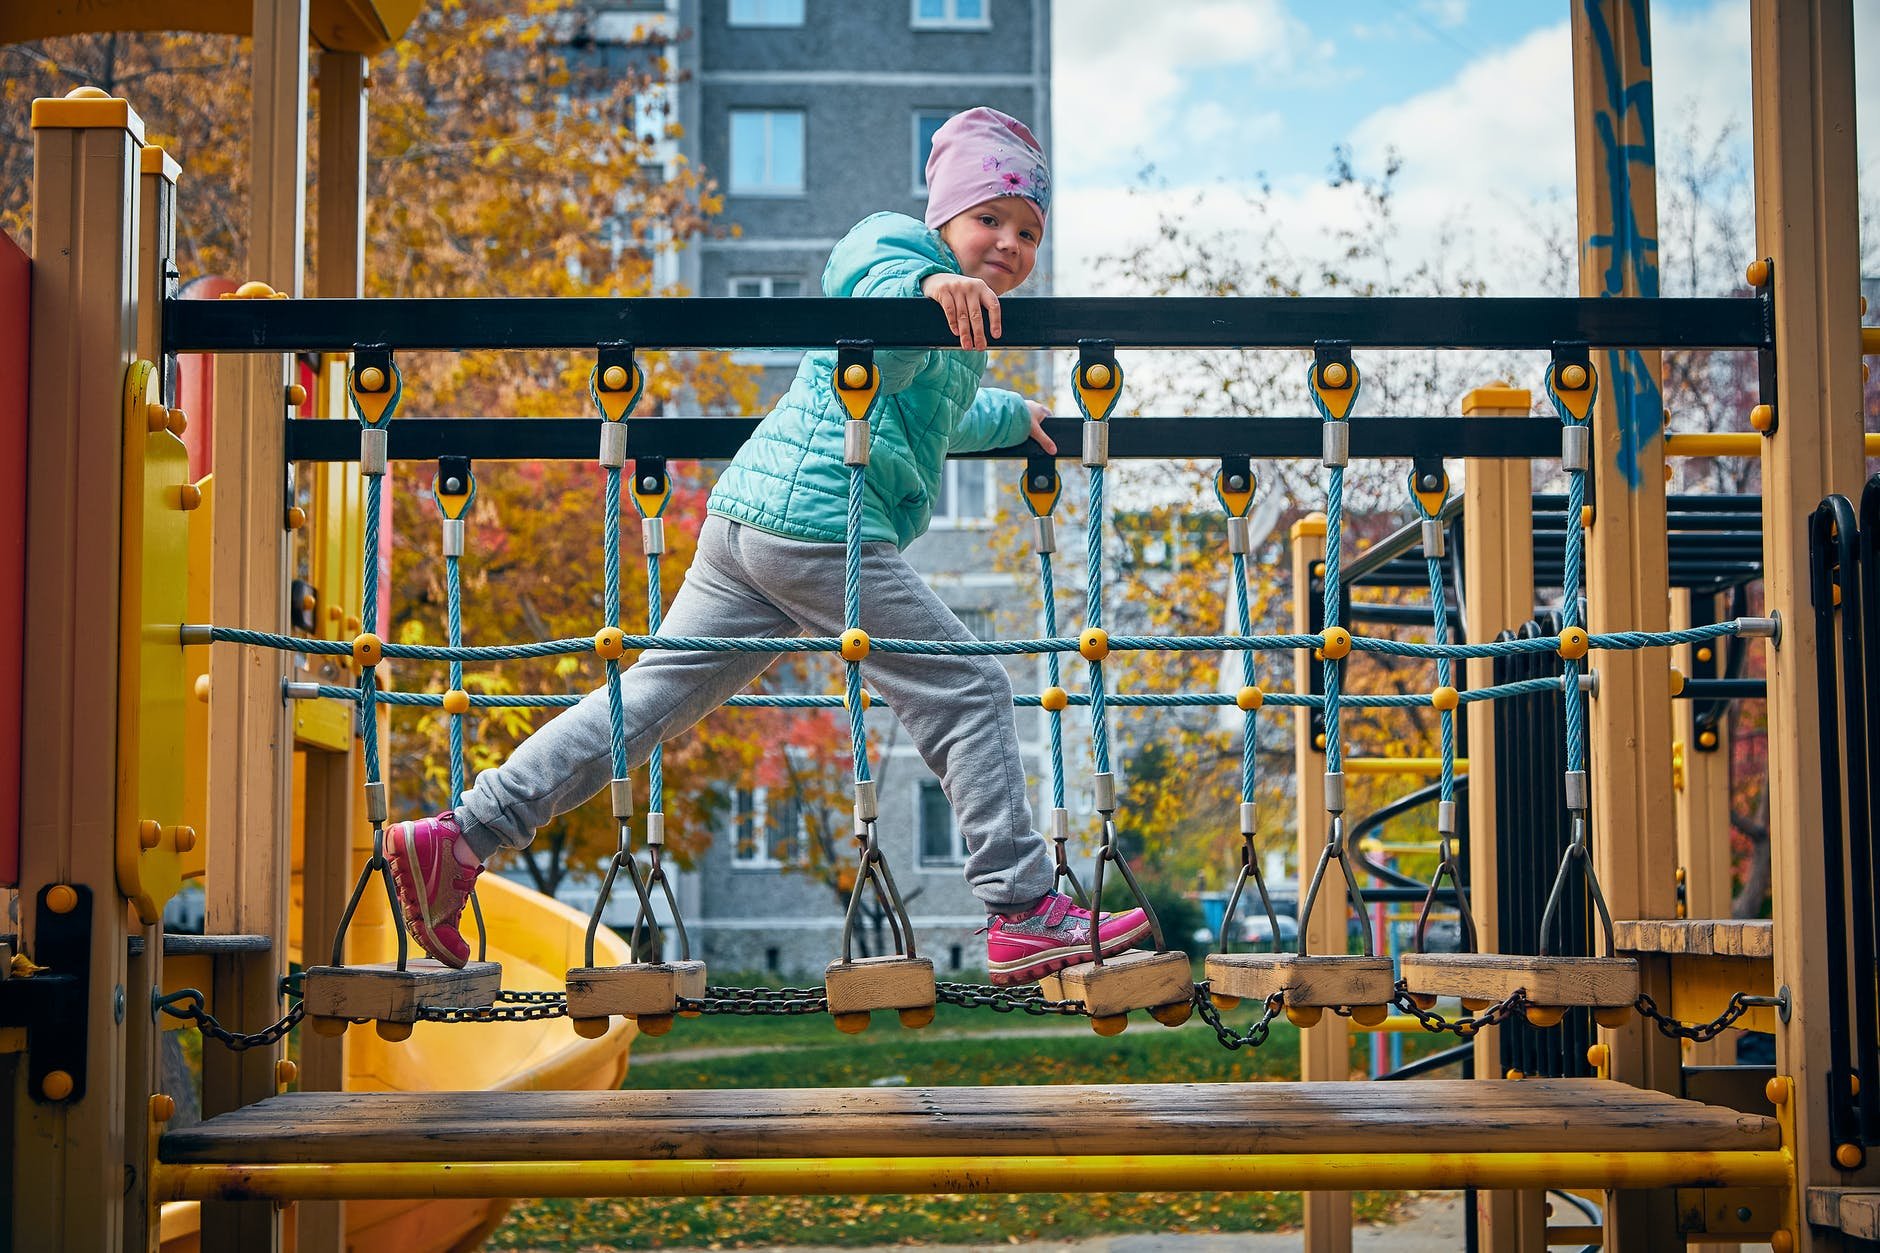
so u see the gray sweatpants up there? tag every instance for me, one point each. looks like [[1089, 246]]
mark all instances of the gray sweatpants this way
[[748, 582]]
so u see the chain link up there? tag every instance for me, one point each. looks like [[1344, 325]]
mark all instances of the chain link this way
[[1229, 1038], [510, 1007], [1006, 1000], [763, 1002], [1740, 1003], [1463, 1028], [188, 1005]]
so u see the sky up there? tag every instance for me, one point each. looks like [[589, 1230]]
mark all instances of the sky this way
[[1475, 97]]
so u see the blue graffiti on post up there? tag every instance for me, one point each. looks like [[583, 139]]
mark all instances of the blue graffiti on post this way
[[1632, 255]]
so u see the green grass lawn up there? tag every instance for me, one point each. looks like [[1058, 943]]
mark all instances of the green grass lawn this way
[[962, 1047]]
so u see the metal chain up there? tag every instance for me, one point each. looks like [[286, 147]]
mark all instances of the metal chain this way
[[1465, 1027], [188, 1005], [514, 1008], [756, 1001], [1740, 1003], [1229, 1038], [1000, 1000]]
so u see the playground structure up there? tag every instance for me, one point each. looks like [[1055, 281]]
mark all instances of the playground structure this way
[[106, 826]]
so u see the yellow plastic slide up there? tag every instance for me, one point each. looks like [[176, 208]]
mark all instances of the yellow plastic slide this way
[[536, 939]]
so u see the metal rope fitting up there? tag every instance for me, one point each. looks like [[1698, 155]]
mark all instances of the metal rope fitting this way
[[1249, 818], [620, 792], [1238, 533], [1096, 444], [372, 448], [1336, 451], [1435, 541], [1760, 628], [655, 829], [195, 633], [1334, 791], [1044, 537], [376, 811], [652, 536], [1446, 817], [453, 537], [866, 807], [300, 691], [1576, 443], [1106, 792], [1576, 790], [855, 442], [1060, 824], [613, 445]]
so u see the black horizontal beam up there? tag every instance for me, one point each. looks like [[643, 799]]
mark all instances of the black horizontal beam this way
[[1725, 689], [658, 324], [718, 439]]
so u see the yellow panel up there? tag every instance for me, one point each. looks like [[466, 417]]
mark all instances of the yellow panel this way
[[366, 26], [154, 578], [102, 113], [323, 723], [196, 683]]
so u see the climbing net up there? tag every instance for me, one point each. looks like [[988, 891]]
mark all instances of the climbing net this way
[[615, 387]]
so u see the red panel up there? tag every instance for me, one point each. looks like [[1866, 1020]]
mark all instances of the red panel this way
[[16, 298], [195, 383]]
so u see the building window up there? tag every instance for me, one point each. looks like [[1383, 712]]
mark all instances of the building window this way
[[966, 496], [977, 621], [941, 843], [767, 152], [926, 122], [766, 834], [763, 285], [765, 13], [952, 14]]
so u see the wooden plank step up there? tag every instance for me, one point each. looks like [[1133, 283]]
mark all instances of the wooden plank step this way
[[1851, 1211], [1601, 982], [1528, 1116], [1697, 937]]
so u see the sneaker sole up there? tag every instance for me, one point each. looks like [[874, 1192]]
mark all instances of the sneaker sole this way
[[1050, 961], [398, 854]]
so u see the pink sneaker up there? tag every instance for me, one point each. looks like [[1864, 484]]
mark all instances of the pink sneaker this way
[[433, 878], [1055, 934]]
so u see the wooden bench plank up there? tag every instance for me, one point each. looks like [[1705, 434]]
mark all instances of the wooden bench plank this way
[[1697, 937], [1851, 1211], [1533, 1115]]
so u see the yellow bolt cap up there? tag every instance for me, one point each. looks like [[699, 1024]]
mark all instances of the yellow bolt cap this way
[[149, 831], [56, 1086], [1445, 698], [614, 379], [1056, 699], [855, 377], [1762, 417], [1782, 1241], [367, 649], [1572, 377], [1612, 1017], [371, 379], [393, 1032], [202, 688], [1677, 681], [1573, 643], [88, 93], [285, 1072], [591, 1028], [1369, 1015], [1336, 643], [1704, 654], [854, 644], [188, 497], [1318, 568], [1707, 739], [1335, 374], [309, 602], [1304, 1015], [296, 395], [610, 643], [1598, 1055], [1757, 272], [1094, 644], [296, 518], [61, 899], [1778, 1089], [179, 422], [156, 418], [1250, 698], [1848, 1156], [254, 289], [1097, 376], [1586, 515], [1318, 741], [162, 1107], [456, 701], [185, 839], [1512, 1073], [1545, 1015]]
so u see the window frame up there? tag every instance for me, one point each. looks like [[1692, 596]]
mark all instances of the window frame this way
[[769, 113], [922, 860], [766, 284], [759, 23], [950, 18], [764, 858], [919, 159], [952, 519]]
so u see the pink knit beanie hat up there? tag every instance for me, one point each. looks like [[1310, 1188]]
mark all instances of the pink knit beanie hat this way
[[980, 155]]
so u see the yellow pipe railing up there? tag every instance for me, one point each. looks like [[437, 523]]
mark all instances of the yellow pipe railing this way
[[1401, 765], [1733, 444], [860, 1176]]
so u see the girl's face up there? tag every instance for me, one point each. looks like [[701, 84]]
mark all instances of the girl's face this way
[[996, 241]]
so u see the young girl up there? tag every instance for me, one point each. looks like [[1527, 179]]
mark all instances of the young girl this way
[[771, 559]]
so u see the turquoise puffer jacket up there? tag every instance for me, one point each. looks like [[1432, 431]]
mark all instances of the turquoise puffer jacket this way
[[789, 478]]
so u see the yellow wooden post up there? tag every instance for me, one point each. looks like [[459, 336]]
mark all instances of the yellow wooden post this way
[[68, 1154], [1498, 556], [1807, 222], [1324, 1050]]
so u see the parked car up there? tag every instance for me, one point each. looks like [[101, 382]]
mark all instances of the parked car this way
[[1257, 928]]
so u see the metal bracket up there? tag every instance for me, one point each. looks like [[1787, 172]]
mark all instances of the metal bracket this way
[[51, 1005]]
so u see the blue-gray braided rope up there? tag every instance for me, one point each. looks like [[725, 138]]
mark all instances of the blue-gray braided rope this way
[[1439, 622], [1093, 617], [454, 626], [369, 607], [610, 596], [1249, 719], [1054, 718], [1571, 699], [852, 620], [656, 760]]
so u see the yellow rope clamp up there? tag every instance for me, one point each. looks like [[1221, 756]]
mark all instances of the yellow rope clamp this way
[[1236, 500], [1336, 384], [1040, 491], [856, 385], [617, 390], [1098, 385], [1574, 385], [1431, 498]]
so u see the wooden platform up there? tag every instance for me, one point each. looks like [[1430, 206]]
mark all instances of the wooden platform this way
[[1693, 937], [1602, 982], [1529, 1116], [1851, 1211]]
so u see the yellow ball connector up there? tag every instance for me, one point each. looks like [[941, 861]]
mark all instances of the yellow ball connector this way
[[367, 649], [1094, 644], [1055, 699], [1762, 417], [1250, 698], [1573, 643], [1757, 272], [1445, 698], [610, 643], [855, 644], [456, 701], [1335, 644]]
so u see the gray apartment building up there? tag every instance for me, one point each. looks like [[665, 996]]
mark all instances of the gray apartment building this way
[[813, 114]]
